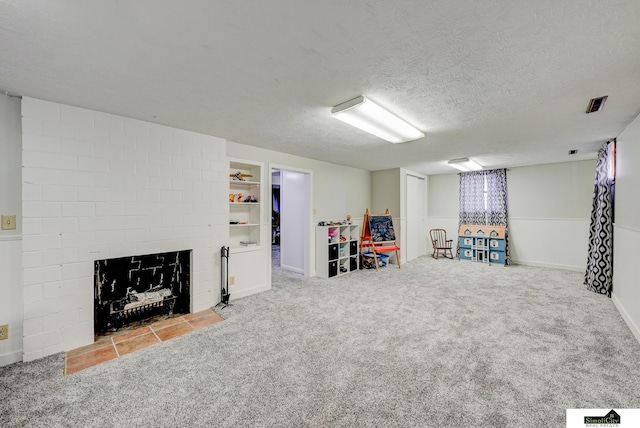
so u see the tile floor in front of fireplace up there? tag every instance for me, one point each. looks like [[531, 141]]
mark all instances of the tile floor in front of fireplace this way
[[110, 347]]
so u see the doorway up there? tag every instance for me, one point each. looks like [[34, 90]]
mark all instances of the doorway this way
[[291, 219], [275, 218]]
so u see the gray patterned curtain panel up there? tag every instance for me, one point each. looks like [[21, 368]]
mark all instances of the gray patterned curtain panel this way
[[599, 274], [472, 209], [497, 204], [483, 200]]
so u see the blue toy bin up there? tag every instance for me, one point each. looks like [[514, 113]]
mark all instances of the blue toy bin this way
[[383, 259]]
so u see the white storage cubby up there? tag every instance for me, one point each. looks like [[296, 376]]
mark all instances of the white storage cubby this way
[[337, 250], [244, 214]]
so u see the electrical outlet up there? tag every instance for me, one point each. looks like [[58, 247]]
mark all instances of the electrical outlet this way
[[232, 280], [4, 331]]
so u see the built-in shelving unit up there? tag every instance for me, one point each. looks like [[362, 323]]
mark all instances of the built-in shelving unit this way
[[245, 210], [337, 250]]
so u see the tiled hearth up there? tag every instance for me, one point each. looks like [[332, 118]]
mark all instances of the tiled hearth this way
[[110, 347]]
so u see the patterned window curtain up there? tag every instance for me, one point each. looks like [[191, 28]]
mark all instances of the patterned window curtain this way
[[472, 201], [497, 211], [599, 274], [472, 198]]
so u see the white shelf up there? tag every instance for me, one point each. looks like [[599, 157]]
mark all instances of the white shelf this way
[[249, 213], [244, 183]]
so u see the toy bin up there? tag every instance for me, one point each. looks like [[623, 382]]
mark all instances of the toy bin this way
[[368, 260]]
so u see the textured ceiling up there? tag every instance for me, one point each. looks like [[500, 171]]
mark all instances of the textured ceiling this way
[[506, 82]]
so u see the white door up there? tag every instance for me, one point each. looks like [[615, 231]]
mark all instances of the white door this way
[[293, 220], [416, 233]]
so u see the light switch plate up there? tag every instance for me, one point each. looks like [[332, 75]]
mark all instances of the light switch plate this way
[[8, 222], [4, 332]]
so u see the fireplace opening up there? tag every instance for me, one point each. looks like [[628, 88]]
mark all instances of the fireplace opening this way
[[131, 290]]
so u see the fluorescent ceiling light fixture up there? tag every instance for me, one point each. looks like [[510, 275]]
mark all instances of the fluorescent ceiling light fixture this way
[[465, 164], [370, 117]]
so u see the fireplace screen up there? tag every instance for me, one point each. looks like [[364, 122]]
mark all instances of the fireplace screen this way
[[131, 289]]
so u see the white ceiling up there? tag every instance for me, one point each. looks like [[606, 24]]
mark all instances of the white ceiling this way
[[505, 82]]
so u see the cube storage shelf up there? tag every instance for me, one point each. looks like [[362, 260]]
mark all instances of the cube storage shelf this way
[[244, 217], [481, 243], [337, 250]]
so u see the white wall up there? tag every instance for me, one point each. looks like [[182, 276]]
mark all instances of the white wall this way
[[11, 240], [385, 192], [549, 212], [97, 186], [337, 190], [626, 243], [388, 191], [10, 154], [549, 209], [443, 206], [11, 301]]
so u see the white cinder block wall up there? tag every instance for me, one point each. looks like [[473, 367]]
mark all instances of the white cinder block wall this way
[[98, 186]]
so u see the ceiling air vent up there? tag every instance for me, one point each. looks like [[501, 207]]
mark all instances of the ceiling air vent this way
[[573, 151], [596, 104]]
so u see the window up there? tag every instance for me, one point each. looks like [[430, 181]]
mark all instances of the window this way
[[483, 199]]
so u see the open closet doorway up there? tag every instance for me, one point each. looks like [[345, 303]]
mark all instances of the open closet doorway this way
[[291, 219]]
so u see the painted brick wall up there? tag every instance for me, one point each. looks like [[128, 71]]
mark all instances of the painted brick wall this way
[[98, 186]]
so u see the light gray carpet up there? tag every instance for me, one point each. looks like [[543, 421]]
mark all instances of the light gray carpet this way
[[437, 343]]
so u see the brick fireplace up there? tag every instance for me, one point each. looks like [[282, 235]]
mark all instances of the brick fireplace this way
[[100, 187]]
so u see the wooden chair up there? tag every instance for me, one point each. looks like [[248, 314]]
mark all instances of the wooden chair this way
[[440, 243]]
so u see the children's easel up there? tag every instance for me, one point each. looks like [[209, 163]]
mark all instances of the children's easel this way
[[378, 235]]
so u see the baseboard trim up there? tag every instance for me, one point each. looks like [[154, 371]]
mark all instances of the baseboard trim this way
[[11, 358], [292, 269], [249, 292], [11, 238], [549, 265], [625, 316]]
